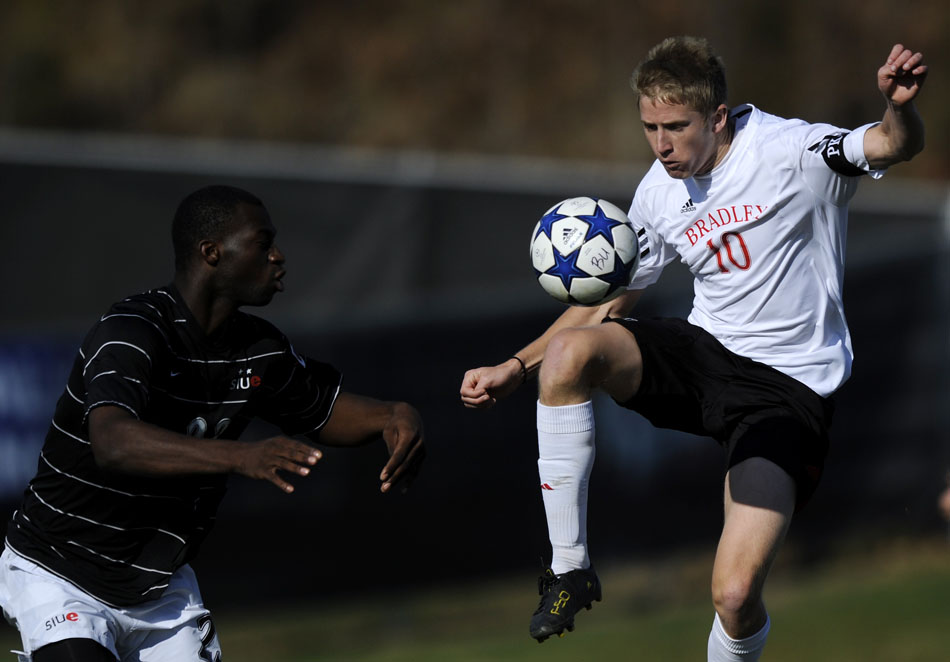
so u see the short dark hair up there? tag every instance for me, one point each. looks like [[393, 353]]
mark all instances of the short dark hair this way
[[682, 70], [204, 214]]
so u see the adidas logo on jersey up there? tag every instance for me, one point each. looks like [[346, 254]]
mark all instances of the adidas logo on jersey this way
[[688, 207]]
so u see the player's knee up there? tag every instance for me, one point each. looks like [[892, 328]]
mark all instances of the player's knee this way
[[736, 597], [566, 358]]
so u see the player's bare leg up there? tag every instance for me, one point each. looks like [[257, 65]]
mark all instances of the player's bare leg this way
[[759, 502], [576, 362], [579, 360]]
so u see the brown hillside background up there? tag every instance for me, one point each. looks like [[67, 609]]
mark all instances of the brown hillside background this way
[[546, 79]]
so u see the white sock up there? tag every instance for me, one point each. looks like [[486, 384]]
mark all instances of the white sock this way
[[565, 458], [723, 648]]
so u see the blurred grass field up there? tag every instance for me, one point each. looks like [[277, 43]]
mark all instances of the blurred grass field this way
[[888, 604]]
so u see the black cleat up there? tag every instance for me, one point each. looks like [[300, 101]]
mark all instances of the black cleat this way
[[562, 596]]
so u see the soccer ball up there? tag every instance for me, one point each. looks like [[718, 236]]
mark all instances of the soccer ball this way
[[584, 251]]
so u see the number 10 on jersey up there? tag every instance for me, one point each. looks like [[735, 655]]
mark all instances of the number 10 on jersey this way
[[733, 243]]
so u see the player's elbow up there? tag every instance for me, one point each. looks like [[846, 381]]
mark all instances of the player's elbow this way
[[105, 433], [108, 455], [886, 145], [907, 148]]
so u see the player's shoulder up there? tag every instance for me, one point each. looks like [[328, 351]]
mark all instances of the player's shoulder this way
[[263, 340], [763, 127], [156, 302], [256, 335], [768, 128], [780, 142], [142, 322], [154, 310]]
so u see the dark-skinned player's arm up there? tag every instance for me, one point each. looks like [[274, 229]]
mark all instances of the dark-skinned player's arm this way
[[122, 443], [357, 420]]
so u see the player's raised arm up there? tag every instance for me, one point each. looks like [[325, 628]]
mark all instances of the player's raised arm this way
[[900, 135], [483, 387]]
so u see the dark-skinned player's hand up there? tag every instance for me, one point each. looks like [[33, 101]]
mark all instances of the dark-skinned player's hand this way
[[404, 438], [264, 460]]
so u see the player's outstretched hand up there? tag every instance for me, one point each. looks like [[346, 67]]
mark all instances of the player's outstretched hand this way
[[483, 387], [404, 441], [265, 459], [902, 76]]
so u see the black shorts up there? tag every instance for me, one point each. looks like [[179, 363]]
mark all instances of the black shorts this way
[[694, 384]]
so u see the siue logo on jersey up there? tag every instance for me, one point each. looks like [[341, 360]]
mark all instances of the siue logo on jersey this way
[[245, 380], [71, 616]]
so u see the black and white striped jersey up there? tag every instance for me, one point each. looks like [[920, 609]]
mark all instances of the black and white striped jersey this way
[[118, 536]]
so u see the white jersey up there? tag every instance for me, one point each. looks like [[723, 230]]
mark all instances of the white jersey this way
[[764, 236]]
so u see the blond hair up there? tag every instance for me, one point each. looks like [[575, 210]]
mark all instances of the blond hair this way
[[682, 70]]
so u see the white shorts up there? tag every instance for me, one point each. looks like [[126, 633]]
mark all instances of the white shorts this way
[[45, 609]]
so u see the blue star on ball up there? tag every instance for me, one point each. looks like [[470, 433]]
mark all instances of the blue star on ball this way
[[546, 222], [600, 224], [565, 267]]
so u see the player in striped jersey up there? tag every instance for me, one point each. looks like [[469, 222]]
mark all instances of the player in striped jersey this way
[[756, 207], [144, 438]]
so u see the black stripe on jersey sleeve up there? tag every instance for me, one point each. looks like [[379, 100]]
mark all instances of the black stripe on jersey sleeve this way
[[830, 149]]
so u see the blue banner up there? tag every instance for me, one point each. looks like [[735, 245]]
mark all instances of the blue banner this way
[[33, 374]]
